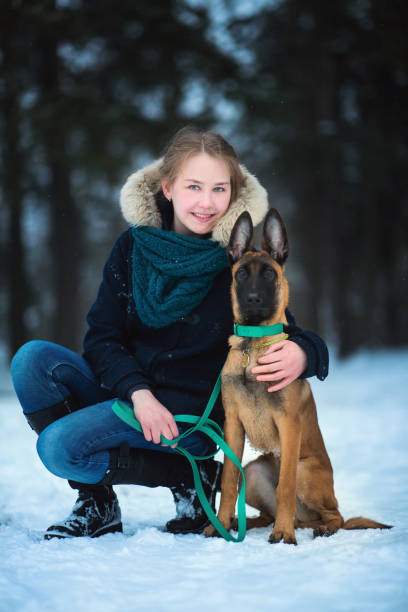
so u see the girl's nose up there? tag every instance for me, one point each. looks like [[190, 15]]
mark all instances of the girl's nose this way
[[206, 199]]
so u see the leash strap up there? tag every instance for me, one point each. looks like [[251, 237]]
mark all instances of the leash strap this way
[[263, 344], [210, 428]]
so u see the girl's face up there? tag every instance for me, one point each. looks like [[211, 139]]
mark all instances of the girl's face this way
[[201, 194]]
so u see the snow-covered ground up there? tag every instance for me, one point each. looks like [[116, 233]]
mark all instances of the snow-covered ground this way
[[362, 409]]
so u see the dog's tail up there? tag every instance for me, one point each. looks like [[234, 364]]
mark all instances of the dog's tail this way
[[359, 522]]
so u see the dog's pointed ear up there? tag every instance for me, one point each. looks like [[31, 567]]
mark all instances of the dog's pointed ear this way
[[241, 237], [275, 238]]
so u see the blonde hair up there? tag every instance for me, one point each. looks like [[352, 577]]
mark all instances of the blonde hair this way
[[191, 141]]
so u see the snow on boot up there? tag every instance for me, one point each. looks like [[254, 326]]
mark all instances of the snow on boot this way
[[95, 513], [191, 517]]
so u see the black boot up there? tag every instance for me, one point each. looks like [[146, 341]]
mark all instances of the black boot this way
[[155, 469], [42, 418], [191, 517], [95, 513], [96, 510], [148, 468]]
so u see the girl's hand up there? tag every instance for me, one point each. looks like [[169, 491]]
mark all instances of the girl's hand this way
[[154, 418], [282, 362]]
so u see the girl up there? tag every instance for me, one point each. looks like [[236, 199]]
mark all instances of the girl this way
[[157, 339]]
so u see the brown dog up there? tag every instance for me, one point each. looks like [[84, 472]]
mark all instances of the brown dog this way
[[292, 482]]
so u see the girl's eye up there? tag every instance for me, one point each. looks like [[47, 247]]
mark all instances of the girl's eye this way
[[193, 187], [219, 189]]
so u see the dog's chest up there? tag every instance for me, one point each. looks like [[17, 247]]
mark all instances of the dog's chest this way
[[259, 425], [255, 406]]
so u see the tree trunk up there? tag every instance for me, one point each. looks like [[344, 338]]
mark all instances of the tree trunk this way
[[66, 249], [66, 235], [17, 283]]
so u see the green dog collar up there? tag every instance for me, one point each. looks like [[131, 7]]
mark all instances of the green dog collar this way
[[258, 331]]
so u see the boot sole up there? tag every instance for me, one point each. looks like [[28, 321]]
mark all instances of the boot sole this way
[[114, 528], [199, 529]]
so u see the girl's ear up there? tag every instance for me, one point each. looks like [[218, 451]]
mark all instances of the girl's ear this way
[[166, 190]]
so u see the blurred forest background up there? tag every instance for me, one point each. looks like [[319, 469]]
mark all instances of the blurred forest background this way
[[312, 94]]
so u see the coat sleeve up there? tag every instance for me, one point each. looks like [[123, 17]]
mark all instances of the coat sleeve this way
[[314, 347], [105, 347]]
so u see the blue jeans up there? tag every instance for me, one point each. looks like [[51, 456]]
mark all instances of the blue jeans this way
[[76, 446]]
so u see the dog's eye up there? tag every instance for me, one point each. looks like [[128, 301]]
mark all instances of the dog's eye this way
[[241, 274], [269, 273]]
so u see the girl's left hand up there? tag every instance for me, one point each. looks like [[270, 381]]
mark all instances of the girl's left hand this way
[[282, 362]]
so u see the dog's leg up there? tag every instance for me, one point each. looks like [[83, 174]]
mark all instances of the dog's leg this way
[[261, 479], [235, 437], [289, 428], [316, 491]]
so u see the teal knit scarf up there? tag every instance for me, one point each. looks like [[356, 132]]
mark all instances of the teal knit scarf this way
[[171, 273]]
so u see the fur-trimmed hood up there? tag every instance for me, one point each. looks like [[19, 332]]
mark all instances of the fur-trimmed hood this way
[[139, 207]]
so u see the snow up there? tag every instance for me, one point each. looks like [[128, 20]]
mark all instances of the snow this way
[[362, 410]]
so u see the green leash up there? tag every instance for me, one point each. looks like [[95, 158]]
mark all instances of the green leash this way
[[210, 428]]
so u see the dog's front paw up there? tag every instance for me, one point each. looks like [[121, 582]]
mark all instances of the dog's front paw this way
[[287, 537], [211, 531]]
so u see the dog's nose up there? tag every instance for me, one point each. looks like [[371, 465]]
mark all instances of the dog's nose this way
[[253, 298]]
